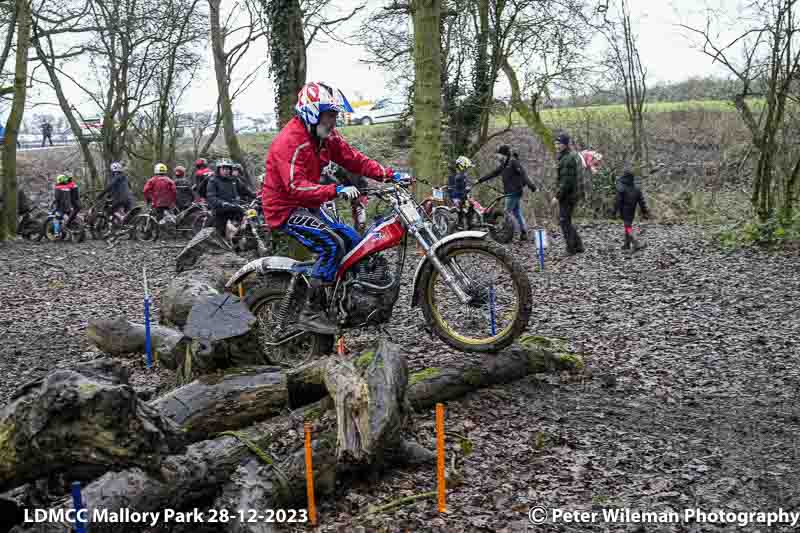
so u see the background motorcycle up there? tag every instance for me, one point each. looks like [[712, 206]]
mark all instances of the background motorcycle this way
[[54, 229], [474, 296], [473, 215]]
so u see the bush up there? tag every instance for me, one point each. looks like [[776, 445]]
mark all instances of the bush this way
[[769, 233]]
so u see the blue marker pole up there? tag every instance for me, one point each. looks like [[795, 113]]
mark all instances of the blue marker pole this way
[[540, 233], [491, 310], [147, 342], [77, 504]]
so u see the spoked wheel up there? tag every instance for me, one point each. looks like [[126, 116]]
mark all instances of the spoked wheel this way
[[146, 229], [442, 219], [263, 301], [49, 231], [99, 227], [499, 292]]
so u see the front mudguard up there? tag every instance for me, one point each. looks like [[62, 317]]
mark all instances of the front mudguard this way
[[415, 292], [263, 266]]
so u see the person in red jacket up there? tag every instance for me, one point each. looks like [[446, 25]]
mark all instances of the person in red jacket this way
[[160, 191], [201, 176], [292, 193]]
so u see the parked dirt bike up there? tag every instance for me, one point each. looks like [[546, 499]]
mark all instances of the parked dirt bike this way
[[54, 229], [474, 296], [103, 224], [473, 215], [186, 220]]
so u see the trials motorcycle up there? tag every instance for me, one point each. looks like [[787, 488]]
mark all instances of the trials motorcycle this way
[[474, 296]]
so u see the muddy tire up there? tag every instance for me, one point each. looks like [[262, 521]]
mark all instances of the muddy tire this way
[[521, 288]]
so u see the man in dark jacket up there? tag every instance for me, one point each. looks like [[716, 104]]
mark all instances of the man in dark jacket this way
[[119, 189], [223, 197], [183, 189], [67, 198], [629, 196], [515, 179], [201, 176], [567, 193], [47, 133]]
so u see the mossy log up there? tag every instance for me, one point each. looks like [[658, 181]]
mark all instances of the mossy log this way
[[85, 421], [532, 355]]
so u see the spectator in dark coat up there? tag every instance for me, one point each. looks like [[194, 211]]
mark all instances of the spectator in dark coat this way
[[515, 179], [47, 133], [567, 193], [629, 196]]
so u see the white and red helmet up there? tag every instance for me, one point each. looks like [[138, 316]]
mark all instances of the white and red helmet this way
[[318, 97]]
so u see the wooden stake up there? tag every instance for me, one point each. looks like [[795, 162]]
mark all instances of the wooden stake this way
[[440, 456], [312, 509]]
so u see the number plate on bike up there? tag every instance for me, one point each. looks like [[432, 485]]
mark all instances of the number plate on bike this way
[[410, 212]]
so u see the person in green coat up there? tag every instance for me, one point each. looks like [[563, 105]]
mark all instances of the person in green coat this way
[[567, 192]]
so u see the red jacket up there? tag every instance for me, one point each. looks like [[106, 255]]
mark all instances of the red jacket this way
[[294, 164], [160, 191]]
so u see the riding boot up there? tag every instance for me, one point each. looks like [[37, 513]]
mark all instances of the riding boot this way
[[636, 244], [628, 239], [523, 235], [313, 317]]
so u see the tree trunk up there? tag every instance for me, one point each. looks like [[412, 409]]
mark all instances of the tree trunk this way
[[530, 113], [121, 337], [223, 82], [84, 420], [74, 126], [287, 54], [426, 154], [8, 221]]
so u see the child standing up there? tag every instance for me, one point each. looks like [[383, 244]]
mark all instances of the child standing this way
[[629, 196]]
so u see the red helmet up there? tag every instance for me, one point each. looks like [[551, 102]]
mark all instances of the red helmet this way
[[200, 163], [180, 171]]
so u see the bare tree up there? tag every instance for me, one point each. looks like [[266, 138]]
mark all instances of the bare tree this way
[[767, 67], [625, 65]]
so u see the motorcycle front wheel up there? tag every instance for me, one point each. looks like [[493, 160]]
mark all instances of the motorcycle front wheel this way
[[146, 229], [499, 290], [443, 220], [49, 231], [99, 227]]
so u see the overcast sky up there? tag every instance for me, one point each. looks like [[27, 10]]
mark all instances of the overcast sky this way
[[665, 49]]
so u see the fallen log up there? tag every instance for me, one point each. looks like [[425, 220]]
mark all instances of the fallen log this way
[[121, 336], [532, 355], [85, 420], [240, 397], [197, 475]]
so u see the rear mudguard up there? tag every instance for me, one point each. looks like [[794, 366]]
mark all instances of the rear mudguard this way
[[262, 266], [476, 235]]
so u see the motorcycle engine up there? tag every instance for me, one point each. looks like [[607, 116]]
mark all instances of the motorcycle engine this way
[[367, 304]]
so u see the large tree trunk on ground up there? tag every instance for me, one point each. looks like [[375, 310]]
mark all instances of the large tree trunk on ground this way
[[81, 420], [240, 397], [369, 395], [8, 218], [369, 385]]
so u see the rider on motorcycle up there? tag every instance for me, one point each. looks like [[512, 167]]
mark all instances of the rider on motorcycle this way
[[458, 182], [223, 197], [292, 193], [183, 188], [201, 176], [119, 190], [160, 191], [67, 198], [247, 195]]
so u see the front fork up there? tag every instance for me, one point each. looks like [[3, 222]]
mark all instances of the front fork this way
[[426, 239]]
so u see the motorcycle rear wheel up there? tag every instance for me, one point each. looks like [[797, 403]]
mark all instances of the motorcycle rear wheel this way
[[263, 300], [512, 323]]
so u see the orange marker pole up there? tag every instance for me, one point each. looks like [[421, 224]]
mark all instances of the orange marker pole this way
[[440, 455], [340, 349], [241, 292], [312, 509]]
